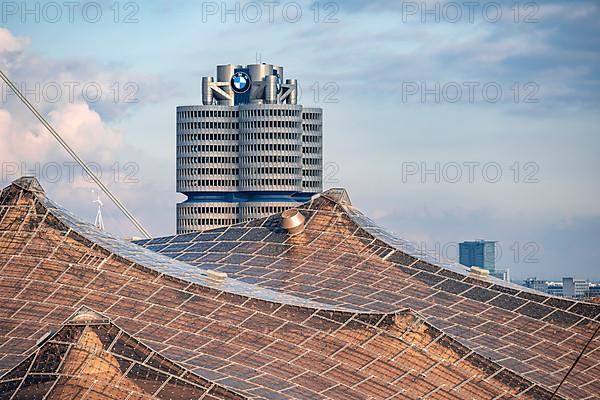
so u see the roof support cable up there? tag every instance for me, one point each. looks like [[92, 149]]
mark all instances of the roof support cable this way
[[74, 155], [576, 361]]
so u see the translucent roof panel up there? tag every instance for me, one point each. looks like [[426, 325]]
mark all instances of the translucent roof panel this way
[[345, 259], [335, 312]]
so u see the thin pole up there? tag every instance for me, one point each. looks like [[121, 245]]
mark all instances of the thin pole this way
[[72, 153]]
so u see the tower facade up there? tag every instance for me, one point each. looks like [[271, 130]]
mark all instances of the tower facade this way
[[249, 151], [480, 253]]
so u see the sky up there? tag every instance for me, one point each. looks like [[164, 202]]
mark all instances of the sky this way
[[445, 121]]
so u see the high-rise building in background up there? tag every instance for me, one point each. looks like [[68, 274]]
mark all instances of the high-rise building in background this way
[[482, 254], [249, 151]]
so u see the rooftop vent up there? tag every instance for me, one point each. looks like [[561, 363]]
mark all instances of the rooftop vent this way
[[292, 221], [479, 271], [216, 276]]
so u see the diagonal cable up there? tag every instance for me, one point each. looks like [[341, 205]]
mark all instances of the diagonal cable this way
[[72, 153], [576, 361]]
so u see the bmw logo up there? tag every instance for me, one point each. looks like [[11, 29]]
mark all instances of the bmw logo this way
[[240, 82]]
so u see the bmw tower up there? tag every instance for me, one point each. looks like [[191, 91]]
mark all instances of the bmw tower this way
[[249, 151]]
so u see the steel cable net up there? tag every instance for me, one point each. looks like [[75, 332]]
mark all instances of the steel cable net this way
[[332, 312], [99, 361]]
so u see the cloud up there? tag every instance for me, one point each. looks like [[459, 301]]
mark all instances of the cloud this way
[[113, 90], [27, 148], [11, 48], [10, 43], [571, 12], [371, 41], [80, 126]]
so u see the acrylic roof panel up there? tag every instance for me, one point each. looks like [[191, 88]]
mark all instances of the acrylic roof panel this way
[[260, 340], [90, 358], [344, 259]]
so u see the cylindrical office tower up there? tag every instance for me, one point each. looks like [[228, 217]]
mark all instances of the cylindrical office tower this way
[[312, 150], [207, 149], [224, 73], [292, 98], [252, 154], [271, 89], [271, 148], [279, 70], [258, 72], [207, 93], [202, 215], [250, 210]]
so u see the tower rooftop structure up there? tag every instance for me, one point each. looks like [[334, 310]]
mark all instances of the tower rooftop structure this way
[[250, 150]]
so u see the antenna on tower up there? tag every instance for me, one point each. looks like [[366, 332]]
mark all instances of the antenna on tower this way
[[258, 58], [99, 222]]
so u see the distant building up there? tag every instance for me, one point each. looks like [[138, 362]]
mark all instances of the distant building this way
[[594, 290], [575, 288], [480, 253], [503, 274], [555, 288], [569, 287], [534, 283]]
